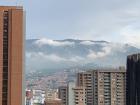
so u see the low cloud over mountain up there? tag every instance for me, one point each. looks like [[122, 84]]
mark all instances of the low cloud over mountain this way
[[46, 54]]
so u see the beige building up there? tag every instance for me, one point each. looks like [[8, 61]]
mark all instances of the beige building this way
[[96, 87], [104, 87], [109, 87], [11, 55], [79, 96], [51, 94], [84, 79]]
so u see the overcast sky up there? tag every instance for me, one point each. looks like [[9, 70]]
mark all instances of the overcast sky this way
[[111, 20]]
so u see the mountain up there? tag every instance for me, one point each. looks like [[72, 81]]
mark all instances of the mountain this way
[[53, 55]]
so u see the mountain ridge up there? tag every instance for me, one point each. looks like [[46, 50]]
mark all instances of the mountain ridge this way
[[46, 54]]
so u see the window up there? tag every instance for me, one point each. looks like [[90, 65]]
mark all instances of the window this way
[[5, 76]]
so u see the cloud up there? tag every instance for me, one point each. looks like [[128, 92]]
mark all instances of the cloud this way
[[107, 48], [105, 53], [87, 42], [45, 41], [77, 59], [52, 57], [131, 35], [94, 55], [87, 20], [41, 56]]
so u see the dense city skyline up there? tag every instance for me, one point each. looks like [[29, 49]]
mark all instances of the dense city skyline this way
[[74, 52]]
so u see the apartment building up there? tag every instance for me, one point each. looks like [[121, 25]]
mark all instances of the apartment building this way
[[84, 79], [104, 86], [63, 94], [79, 96]]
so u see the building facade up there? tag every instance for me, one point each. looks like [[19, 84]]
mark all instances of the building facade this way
[[109, 87], [38, 97], [79, 96], [51, 94], [63, 94], [53, 102], [133, 80], [11, 55], [29, 96], [72, 94], [71, 98], [84, 79], [104, 86]]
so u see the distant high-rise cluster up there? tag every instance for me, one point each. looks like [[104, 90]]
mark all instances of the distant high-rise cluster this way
[[97, 87]]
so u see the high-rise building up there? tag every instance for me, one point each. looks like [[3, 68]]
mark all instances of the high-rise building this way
[[71, 99], [104, 87], [63, 94], [84, 79], [11, 55], [51, 94], [109, 87], [79, 96], [72, 94], [133, 80]]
